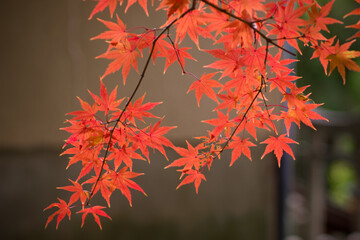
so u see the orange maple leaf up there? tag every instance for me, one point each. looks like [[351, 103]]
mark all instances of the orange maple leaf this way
[[319, 18], [354, 12], [205, 85], [193, 176], [191, 24], [121, 180], [62, 212], [240, 146], [342, 58], [95, 211], [174, 6], [124, 57], [105, 102], [116, 33], [142, 3], [78, 190], [278, 144], [102, 4], [189, 158], [104, 184]]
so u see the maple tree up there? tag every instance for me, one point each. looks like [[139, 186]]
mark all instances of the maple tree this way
[[249, 38]]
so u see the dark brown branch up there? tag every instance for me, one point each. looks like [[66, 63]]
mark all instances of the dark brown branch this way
[[133, 94]]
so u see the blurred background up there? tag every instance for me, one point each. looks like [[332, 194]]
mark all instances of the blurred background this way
[[48, 60]]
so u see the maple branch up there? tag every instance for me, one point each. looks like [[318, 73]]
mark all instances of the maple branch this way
[[250, 25], [178, 59], [236, 128], [133, 95], [267, 110]]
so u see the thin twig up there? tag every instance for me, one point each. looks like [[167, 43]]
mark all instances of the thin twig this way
[[133, 94]]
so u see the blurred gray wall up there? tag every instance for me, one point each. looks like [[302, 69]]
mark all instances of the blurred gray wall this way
[[48, 60]]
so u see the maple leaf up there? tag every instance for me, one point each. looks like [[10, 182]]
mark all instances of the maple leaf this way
[[138, 110], [341, 58], [125, 56], [230, 101], [156, 139], [191, 24], [79, 192], [174, 6], [189, 158], [88, 111], [142, 3], [124, 154], [174, 54], [303, 114], [62, 212], [205, 85], [250, 6], [95, 211], [282, 81], [102, 4], [354, 12], [121, 180], [106, 103], [91, 161], [216, 21], [240, 146], [221, 123], [193, 176], [323, 51], [117, 32], [104, 184], [356, 26], [287, 24], [239, 34], [319, 18], [230, 61], [295, 97], [278, 144]]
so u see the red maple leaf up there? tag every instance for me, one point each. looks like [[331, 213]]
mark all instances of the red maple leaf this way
[[288, 22], [62, 212], [95, 211], [341, 58], [121, 180], [174, 6], [175, 54], [189, 158], [104, 184], [221, 123], [156, 140], [192, 176], [116, 33], [106, 103], [319, 19], [88, 112], [102, 4], [138, 110], [124, 154], [240, 146], [278, 144], [142, 3], [125, 56], [191, 24], [205, 85], [79, 192]]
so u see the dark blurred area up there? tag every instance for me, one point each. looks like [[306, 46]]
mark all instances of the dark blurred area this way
[[48, 60]]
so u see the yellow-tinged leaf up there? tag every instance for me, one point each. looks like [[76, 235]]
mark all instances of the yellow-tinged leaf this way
[[342, 58]]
